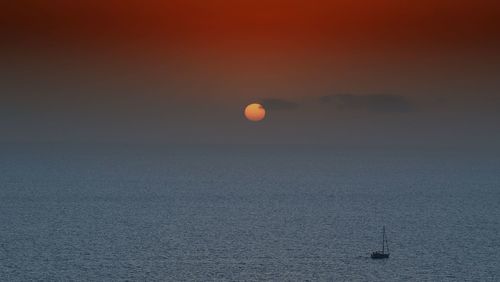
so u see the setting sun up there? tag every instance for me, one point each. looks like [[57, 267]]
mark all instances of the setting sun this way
[[255, 112]]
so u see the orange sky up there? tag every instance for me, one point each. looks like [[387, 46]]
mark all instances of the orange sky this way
[[189, 66], [256, 25]]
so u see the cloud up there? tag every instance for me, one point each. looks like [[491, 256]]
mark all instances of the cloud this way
[[383, 103], [279, 104]]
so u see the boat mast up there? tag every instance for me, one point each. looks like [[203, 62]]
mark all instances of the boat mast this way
[[383, 239], [387, 243]]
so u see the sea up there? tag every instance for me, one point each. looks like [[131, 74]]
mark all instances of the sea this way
[[248, 213]]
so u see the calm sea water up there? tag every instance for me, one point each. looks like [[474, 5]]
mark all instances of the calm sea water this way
[[249, 213]]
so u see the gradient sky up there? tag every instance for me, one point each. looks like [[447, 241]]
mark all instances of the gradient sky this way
[[368, 73]]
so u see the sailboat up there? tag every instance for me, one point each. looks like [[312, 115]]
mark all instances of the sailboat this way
[[382, 254]]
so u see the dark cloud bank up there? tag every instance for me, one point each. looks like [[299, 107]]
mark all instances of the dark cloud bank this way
[[384, 103], [379, 103], [279, 104]]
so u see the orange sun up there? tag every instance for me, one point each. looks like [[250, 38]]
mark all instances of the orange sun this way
[[255, 112]]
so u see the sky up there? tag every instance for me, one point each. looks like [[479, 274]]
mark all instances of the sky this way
[[337, 72]]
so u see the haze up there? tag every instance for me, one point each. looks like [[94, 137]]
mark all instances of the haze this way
[[383, 73]]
